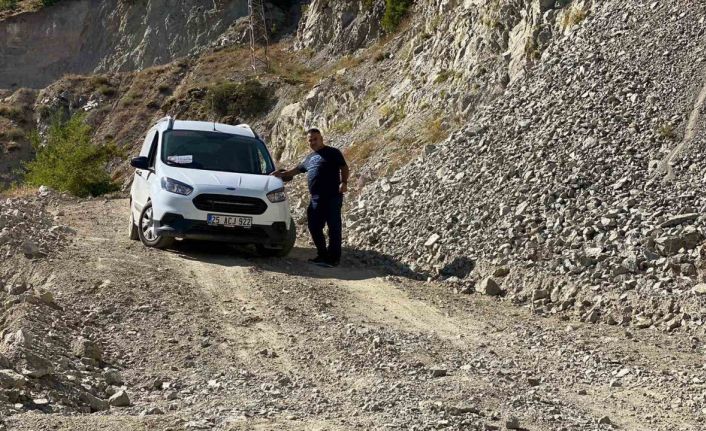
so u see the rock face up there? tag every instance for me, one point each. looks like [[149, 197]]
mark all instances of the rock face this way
[[440, 64], [83, 36], [339, 27], [558, 175]]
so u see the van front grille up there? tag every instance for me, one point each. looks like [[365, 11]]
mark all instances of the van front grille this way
[[230, 204]]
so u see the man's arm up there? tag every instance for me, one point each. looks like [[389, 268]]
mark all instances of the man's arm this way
[[287, 174]]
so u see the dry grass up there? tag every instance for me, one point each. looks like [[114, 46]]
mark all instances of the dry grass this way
[[574, 15], [11, 112], [342, 127], [18, 191], [359, 152], [13, 134], [435, 132]]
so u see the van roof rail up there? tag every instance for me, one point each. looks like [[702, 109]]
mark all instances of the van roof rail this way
[[170, 121], [247, 126]]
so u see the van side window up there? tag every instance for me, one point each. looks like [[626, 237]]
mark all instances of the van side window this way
[[153, 150]]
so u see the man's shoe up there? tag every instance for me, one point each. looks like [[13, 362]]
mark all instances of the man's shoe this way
[[333, 263], [318, 260]]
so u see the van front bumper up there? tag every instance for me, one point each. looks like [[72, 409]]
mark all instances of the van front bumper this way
[[176, 226]]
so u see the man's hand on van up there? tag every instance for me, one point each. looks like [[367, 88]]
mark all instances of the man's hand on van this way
[[285, 175]]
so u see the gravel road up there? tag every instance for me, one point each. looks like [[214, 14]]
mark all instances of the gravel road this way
[[209, 337]]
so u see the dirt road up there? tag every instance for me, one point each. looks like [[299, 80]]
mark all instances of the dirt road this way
[[207, 337]]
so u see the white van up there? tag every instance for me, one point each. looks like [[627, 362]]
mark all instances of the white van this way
[[208, 181]]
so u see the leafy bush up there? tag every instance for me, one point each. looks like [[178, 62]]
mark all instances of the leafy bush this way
[[244, 99], [395, 10], [69, 162], [7, 4], [49, 2], [107, 90]]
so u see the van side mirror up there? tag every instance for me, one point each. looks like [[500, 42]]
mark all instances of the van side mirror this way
[[140, 163]]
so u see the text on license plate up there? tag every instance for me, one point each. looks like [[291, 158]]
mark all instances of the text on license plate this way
[[229, 221]]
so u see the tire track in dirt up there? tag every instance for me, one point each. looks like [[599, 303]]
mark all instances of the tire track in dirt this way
[[229, 282]]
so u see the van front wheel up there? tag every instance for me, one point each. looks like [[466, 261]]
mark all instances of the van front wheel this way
[[147, 232]]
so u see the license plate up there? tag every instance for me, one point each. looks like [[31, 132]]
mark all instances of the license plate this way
[[229, 221]]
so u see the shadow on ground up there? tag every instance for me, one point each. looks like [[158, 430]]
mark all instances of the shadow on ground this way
[[355, 265]]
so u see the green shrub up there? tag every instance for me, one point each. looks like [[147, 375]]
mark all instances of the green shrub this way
[[667, 131], [99, 80], [69, 162], [7, 4], [244, 99], [49, 2], [164, 88], [107, 90], [395, 10]]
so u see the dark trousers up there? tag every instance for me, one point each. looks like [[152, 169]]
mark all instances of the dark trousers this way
[[326, 211]]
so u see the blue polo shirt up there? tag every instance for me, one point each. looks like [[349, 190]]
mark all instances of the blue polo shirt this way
[[323, 169]]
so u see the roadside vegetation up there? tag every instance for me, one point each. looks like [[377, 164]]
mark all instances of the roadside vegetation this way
[[242, 99], [69, 162], [8, 4], [25, 5], [395, 11]]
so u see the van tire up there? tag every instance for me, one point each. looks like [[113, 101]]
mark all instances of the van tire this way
[[146, 231], [286, 247]]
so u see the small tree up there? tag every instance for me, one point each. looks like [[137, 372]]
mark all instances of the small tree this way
[[7, 4], [395, 10], [68, 162]]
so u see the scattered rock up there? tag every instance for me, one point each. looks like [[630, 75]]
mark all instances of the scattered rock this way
[[512, 423], [84, 348], [119, 399], [489, 287], [11, 380]]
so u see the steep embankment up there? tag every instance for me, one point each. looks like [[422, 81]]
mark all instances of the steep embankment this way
[[83, 36], [51, 44], [391, 94], [382, 96], [558, 181]]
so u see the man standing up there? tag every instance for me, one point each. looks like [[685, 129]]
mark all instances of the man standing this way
[[327, 175]]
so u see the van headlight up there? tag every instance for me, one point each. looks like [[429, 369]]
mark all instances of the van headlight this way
[[277, 195], [173, 186]]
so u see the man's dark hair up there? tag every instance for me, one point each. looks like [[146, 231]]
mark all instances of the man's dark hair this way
[[313, 130]]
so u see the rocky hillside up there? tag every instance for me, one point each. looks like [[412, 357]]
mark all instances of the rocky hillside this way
[[82, 36], [577, 189], [43, 354], [380, 94]]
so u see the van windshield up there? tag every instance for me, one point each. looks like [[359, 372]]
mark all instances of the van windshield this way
[[215, 151]]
